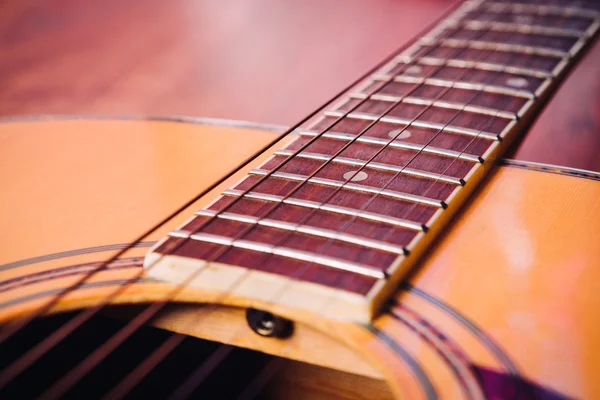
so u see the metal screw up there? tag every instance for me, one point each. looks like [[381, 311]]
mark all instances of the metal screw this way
[[266, 324]]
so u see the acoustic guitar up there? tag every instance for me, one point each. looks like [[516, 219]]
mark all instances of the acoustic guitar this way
[[386, 246]]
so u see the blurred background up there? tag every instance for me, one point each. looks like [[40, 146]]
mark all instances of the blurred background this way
[[267, 61]]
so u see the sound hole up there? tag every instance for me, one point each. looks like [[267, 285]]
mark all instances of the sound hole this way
[[228, 380]]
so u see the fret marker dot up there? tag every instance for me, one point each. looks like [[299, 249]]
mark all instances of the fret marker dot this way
[[413, 70], [355, 176], [517, 82], [403, 134]]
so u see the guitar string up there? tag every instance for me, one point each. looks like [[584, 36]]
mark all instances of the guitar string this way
[[476, 93], [474, 138], [82, 317], [259, 376], [70, 378], [255, 387], [154, 361], [87, 364], [18, 324], [261, 379], [18, 365], [481, 90], [263, 376], [412, 208]]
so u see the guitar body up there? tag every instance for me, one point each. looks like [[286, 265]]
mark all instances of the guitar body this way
[[507, 299], [431, 232]]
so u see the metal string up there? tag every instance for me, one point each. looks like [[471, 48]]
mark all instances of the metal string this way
[[19, 324], [259, 376], [296, 275], [22, 322], [449, 166], [473, 138], [262, 377], [387, 236], [478, 92], [87, 364], [100, 353], [414, 88], [212, 362], [30, 357]]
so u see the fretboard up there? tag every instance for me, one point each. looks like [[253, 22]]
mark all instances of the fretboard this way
[[334, 219]]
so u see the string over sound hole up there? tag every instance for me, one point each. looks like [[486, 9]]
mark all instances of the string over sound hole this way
[[266, 324]]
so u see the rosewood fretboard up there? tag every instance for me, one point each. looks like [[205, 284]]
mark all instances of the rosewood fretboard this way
[[333, 220]]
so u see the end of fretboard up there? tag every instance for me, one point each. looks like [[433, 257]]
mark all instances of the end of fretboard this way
[[232, 285]]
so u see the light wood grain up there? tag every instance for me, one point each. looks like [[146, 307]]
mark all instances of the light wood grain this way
[[520, 263]]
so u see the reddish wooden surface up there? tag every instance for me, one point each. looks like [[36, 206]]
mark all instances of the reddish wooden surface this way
[[567, 132], [268, 61]]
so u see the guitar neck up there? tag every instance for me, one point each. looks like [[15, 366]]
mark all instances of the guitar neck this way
[[334, 220]]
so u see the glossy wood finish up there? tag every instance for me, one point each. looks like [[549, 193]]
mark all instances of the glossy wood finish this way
[[222, 248], [155, 165], [50, 53], [539, 279], [528, 293], [458, 371]]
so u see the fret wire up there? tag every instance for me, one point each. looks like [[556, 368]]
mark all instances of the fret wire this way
[[511, 27], [302, 269], [308, 229], [448, 104], [261, 374], [407, 146], [60, 385], [541, 9], [420, 124], [404, 145], [312, 175], [330, 208], [485, 66], [388, 235], [77, 323], [374, 165], [458, 85], [402, 121], [516, 48], [288, 252], [537, 20], [352, 186]]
